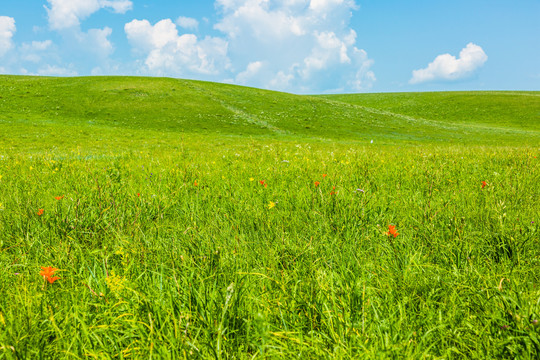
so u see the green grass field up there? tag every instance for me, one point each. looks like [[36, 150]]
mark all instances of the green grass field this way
[[199, 220]]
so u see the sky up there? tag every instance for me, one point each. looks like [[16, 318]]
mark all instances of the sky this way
[[298, 46]]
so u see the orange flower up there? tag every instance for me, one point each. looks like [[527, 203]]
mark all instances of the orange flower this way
[[138, 194], [333, 192], [263, 182], [323, 175], [317, 183], [59, 197], [195, 183], [484, 184], [52, 279], [392, 231], [48, 274], [40, 212], [47, 271]]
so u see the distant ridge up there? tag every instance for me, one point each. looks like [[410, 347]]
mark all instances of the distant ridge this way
[[187, 106]]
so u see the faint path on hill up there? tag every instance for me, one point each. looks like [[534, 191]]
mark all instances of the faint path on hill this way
[[428, 122], [247, 117]]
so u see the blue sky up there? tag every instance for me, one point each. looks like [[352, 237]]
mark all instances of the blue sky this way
[[300, 46]]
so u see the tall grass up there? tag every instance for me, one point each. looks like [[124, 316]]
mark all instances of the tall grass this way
[[206, 247]]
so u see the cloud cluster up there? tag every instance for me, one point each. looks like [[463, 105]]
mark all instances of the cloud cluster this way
[[65, 14], [166, 52], [294, 45], [447, 67], [7, 30]]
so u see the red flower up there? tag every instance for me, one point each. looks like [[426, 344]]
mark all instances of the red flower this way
[[484, 184], [317, 183], [48, 274], [47, 271], [59, 197], [263, 182], [40, 212], [392, 231], [138, 194], [52, 279], [333, 192]]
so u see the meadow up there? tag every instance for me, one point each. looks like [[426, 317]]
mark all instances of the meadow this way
[[160, 218]]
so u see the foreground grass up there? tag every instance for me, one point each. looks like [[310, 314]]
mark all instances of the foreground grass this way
[[181, 251]]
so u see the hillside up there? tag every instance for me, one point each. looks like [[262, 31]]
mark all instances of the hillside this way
[[78, 107]]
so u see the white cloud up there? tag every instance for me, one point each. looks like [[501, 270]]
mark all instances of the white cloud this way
[[7, 30], [326, 5], [304, 45], [447, 67], [96, 41], [52, 70], [34, 51], [64, 14], [168, 53], [252, 69], [187, 23]]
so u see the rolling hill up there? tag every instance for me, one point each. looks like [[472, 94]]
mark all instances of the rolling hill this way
[[86, 106]]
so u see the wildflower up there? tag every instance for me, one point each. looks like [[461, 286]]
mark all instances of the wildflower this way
[[195, 183], [317, 183], [48, 274], [138, 194], [47, 271], [52, 279], [324, 175], [360, 190], [271, 204], [333, 192], [484, 184], [392, 231], [59, 197], [251, 179], [40, 212], [263, 182]]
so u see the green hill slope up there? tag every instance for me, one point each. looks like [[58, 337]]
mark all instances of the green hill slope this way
[[520, 110], [90, 105]]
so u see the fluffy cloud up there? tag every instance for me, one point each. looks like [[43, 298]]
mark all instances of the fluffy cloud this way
[[448, 68], [252, 70], [65, 17], [52, 70], [7, 29], [295, 45], [32, 52], [187, 23], [168, 53], [64, 14], [96, 42]]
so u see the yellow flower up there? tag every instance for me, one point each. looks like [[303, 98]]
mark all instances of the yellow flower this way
[[271, 204], [115, 283]]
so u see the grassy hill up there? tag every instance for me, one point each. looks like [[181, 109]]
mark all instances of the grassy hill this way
[[158, 218], [76, 107]]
